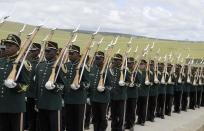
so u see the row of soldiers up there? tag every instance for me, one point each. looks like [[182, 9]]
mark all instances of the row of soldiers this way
[[61, 105]]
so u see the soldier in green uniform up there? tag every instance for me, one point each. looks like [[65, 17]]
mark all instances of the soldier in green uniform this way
[[88, 113], [199, 90], [74, 99], [2, 51], [193, 90], [118, 93], [100, 96], [177, 90], [202, 98], [132, 95], [12, 100], [160, 111], [153, 93], [143, 92], [29, 70], [49, 100], [186, 85], [169, 91]]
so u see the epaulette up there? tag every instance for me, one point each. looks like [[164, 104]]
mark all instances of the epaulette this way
[[27, 65]]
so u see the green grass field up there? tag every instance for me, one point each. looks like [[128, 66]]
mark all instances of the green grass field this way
[[166, 46]]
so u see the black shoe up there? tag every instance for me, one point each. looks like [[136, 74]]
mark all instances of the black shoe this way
[[162, 117], [192, 108], [168, 113], [152, 120], [138, 122], [142, 124], [184, 109], [86, 128], [177, 111], [127, 127], [157, 115], [131, 129]]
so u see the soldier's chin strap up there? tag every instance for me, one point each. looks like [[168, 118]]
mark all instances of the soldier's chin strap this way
[[13, 57]]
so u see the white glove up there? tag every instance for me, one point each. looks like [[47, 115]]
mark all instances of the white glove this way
[[121, 83], [100, 88], [62, 102], [26, 99], [10, 83], [147, 83], [75, 87], [50, 85], [36, 109], [131, 85], [88, 101]]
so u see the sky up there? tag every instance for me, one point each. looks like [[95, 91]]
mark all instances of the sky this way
[[166, 19]]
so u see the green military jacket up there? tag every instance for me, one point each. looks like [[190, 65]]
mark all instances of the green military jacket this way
[[73, 96], [11, 100], [193, 88], [161, 87], [186, 86], [117, 92], [143, 90], [31, 91], [200, 88], [169, 87], [95, 95], [154, 87], [46, 99], [177, 86], [132, 92]]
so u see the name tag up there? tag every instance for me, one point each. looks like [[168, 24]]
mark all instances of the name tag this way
[[91, 74]]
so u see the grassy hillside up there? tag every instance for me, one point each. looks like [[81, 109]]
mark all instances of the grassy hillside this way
[[61, 36]]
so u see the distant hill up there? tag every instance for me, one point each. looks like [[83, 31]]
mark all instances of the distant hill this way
[[195, 49]]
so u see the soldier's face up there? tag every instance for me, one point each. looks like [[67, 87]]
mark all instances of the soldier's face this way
[[74, 56], [130, 65], [50, 54], [99, 60], [168, 69], [142, 65], [11, 49], [33, 53], [117, 62], [152, 65]]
